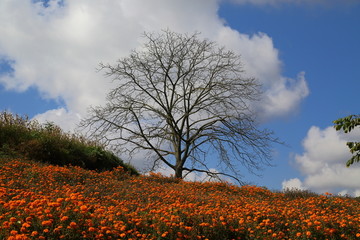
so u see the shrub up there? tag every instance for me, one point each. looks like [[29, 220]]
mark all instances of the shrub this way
[[294, 193], [48, 143]]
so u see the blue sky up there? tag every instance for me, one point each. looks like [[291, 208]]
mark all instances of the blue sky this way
[[323, 42], [306, 54]]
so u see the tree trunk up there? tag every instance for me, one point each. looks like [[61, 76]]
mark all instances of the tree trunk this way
[[178, 172], [178, 165]]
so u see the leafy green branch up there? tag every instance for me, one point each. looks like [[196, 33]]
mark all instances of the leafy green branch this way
[[347, 124]]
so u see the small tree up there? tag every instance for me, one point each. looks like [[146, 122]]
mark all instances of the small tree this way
[[347, 124], [183, 99]]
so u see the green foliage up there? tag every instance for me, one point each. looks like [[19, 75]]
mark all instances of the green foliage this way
[[347, 124], [48, 143]]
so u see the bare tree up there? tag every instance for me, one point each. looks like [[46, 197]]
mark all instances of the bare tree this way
[[182, 99]]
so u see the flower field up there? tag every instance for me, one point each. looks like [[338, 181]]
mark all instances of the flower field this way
[[39, 201]]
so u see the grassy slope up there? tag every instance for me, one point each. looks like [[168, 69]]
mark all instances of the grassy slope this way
[[48, 143], [41, 201]]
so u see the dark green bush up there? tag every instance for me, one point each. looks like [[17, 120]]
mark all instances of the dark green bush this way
[[48, 143]]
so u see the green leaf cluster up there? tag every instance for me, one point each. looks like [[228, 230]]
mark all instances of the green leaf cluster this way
[[347, 124]]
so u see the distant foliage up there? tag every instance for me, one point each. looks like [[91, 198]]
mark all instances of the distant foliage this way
[[48, 143], [294, 193], [347, 124]]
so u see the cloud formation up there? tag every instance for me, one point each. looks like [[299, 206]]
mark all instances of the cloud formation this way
[[323, 162], [293, 183], [60, 117], [59, 46]]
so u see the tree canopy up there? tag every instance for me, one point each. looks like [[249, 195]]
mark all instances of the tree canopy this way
[[184, 100], [347, 124]]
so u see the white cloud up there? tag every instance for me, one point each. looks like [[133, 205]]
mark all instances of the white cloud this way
[[322, 147], [323, 162], [61, 117], [346, 192], [282, 95], [58, 48], [293, 183], [357, 193], [260, 57]]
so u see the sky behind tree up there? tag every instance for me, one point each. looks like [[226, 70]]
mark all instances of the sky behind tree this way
[[305, 53]]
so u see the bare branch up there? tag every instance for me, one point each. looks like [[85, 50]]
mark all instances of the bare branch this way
[[182, 99]]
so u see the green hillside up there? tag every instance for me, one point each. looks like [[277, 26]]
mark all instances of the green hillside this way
[[48, 143]]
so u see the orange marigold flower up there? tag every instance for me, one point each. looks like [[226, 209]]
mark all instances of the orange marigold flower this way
[[83, 208], [188, 228], [54, 204], [64, 218], [21, 237], [104, 228], [73, 224], [34, 233], [204, 224], [46, 223]]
